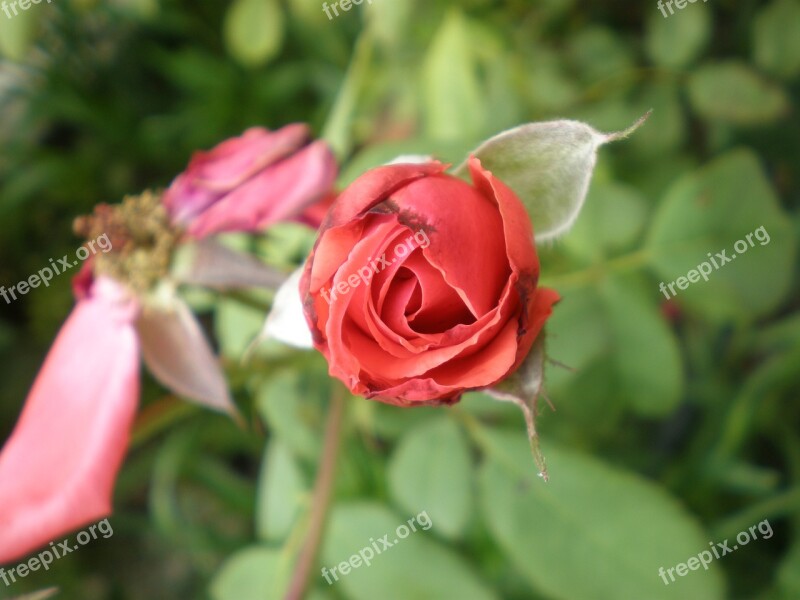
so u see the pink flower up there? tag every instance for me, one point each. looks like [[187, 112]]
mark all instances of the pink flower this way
[[251, 181], [59, 465]]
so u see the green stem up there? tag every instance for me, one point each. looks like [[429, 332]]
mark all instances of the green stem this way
[[627, 262], [320, 503], [158, 417], [775, 507], [246, 299]]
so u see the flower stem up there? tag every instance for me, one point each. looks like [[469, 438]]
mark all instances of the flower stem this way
[[627, 262], [320, 502]]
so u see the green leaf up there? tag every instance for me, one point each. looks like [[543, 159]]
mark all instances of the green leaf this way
[[593, 532], [612, 219], [549, 166], [599, 53], [280, 493], [666, 128], [338, 131], [600, 333], [280, 403], [413, 567], [776, 38], [455, 107], [711, 210], [675, 42], [256, 573], [253, 31], [376, 155], [789, 573], [733, 93], [17, 33], [390, 21], [635, 323], [236, 326], [431, 471]]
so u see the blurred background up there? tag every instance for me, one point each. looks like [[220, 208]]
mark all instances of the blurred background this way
[[677, 422]]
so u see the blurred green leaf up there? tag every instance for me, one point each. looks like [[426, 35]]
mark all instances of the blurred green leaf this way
[[612, 219], [415, 567], [666, 128], [17, 31], [546, 81], [389, 20], [338, 131], [776, 38], [732, 92], [255, 573], [253, 31], [281, 405], [573, 537], [455, 106], [676, 41], [600, 54], [711, 210], [789, 573], [609, 327], [236, 326], [280, 492], [376, 155], [431, 471], [636, 323]]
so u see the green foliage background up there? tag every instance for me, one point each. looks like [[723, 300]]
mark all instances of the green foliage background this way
[[679, 422]]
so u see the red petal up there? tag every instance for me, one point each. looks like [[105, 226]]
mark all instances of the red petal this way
[[466, 237], [59, 465], [373, 187]]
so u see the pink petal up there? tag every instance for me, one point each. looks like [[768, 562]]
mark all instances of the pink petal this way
[[177, 353], [210, 175], [59, 465], [281, 191]]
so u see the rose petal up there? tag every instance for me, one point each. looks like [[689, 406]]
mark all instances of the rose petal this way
[[238, 159], [212, 174], [279, 192], [314, 215], [470, 235], [59, 465], [373, 187]]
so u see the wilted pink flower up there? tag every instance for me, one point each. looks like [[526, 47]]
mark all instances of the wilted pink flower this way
[[251, 181], [59, 466]]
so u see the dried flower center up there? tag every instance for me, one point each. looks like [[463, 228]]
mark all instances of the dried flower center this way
[[142, 240]]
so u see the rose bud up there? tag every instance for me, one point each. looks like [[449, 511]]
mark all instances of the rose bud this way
[[421, 287]]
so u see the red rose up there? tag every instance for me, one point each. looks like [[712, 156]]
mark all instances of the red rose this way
[[421, 287]]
